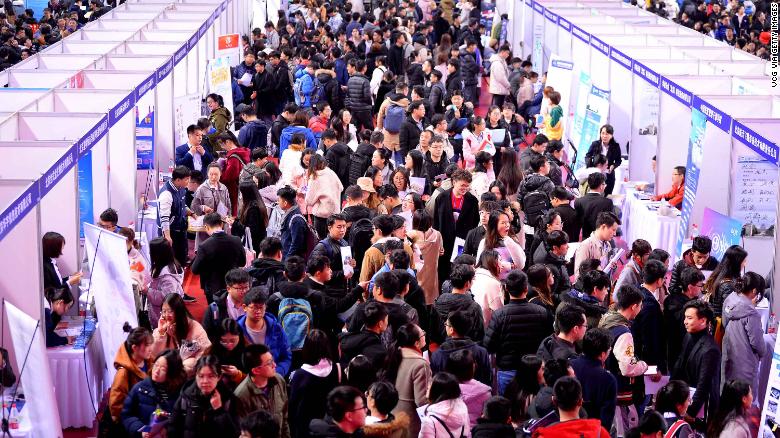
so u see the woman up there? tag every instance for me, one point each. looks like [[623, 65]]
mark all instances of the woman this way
[[156, 393], [487, 288], [371, 184], [381, 398], [672, 401], [323, 193], [386, 86], [206, 408], [345, 130], [526, 383], [310, 385], [497, 238], [58, 301], [290, 163], [607, 146], [167, 277], [553, 121], [381, 159], [476, 139], [412, 202], [445, 414], [498, 189], [495, 122], [431, 247], [52, 244], [132, 364], [235, 160], [228, 346], [219, 117], [720, 283], [731, 419], [253, 215], [400, 179], [378, 74], [743, 341], [177, 330], [541, 280], [212, 196], [550, 222], [139, 269], [269, 181], [554, 155], [483, 174], [511, 174], [414, 163], [410, 372]]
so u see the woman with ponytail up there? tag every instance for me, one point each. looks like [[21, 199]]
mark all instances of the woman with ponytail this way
[[672, 401], [410, 373], [132, 364], [743, 340], [58, 301], [731, 419]]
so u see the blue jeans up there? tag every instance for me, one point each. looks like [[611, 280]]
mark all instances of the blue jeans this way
[[504, 377]]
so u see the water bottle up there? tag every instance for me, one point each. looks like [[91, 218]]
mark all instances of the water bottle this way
[[694, 231], [772, 326], [13, 418], [170, 166]]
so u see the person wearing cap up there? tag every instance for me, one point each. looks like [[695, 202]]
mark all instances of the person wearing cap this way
[[561, 202], [254, 133]]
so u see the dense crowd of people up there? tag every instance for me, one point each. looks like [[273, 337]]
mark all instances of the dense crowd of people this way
[[382, 256]]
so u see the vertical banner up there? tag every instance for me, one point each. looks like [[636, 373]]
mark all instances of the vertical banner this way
[[537, 53], [218, 80], [186, 111], [86, 210], [27, 335], [230, 46], [144, 140], [722, 230], [580, 105], [695, 158], [772, 396], [113, 290], [647, 110], [596, 114], [560, 75]]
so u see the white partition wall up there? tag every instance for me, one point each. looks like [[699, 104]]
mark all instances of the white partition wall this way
[[621, 102]]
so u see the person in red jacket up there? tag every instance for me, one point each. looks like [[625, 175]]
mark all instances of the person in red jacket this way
[[675, 195], [567, 395], [235, 160]]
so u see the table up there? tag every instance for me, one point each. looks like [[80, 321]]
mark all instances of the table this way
[[146, 228], [78, 397], [640, 222]]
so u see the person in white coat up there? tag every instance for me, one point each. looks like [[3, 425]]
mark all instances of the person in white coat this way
[[499, 76], [445, 414], [487, 289], [497, 238], [323, 193]]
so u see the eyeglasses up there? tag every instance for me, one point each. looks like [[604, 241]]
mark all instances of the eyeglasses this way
[[700, 285], [255, 308], [240, 287], [361, 408], [270, 363]]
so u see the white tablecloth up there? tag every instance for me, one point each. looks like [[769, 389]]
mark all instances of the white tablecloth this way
[[639, 222], [71, 386], [147, 229]]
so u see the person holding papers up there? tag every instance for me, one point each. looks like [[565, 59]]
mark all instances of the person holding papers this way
[[211, 197], [476, 138], [331, 247], [499, 129]]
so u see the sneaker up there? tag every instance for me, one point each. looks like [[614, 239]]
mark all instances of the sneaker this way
[[189, 299]]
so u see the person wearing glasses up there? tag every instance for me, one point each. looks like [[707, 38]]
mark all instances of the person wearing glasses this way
[[263, 388], [347, 412], [229, 302], [690, 284], [260, 327], [192, 154], [177, 330], [675, 195], [743, 342]]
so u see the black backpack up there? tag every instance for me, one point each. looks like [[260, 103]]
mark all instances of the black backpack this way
[[358, 164], [360, 235], [535, 205]]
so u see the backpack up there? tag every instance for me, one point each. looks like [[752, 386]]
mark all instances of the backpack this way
[[295, 316], [318, 94], [275, 221], [672, 431], [360, 235], [447, 429], [394, 118], [358, 164], [535, 205], [312, 239]]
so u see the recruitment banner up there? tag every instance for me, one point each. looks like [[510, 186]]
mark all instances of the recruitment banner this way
[[695, 158], [560, 74], [596, 114], [537, 53], [769, 414], [230, 46], [86, 209], [144, 140], [218, 80], [722, 230], [580, 106]]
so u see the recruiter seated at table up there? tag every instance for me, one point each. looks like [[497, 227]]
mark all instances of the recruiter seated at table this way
[[675, 195], [58, 301]]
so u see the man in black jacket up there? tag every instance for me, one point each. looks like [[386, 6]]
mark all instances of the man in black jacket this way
[[268, 269], [455, 212], [561, 203], [368, 341], [699, 362], [459, 322], [691, 281], [454, 80], [334, 301], [358, 98], [459, 299], [387, 290], [395, 57], [469, 70], [572, 324], [282, 78], [409, 136], [515, 329], [599, 386], [697, 257], [228, 303], [338, 156], [282, 122], [595, 287], [216, 256], [557, 245], [648, 327], [589, 206], [476, 234], [330, 247]]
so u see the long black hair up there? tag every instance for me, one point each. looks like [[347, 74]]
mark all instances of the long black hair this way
[[524, 386], [251, 198], [181, 316], [175, 375], [729, 268], [228, 326], [136, 337], [406, 336], [730, 406], [161, 253], [417, 169]]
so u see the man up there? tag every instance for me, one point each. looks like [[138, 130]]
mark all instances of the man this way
[[294, 225], [388, 195], [172, 212], [387, 291], [97, 9], [283, 81], [437, 94], [699, 362], [260, 327], [247, 66], [228, 303], [330, 247], [254, 133], [572, 325], [254, 168], [599, 386], [622, 363], [334, 301], [108, 220], [268, 269], [648, 327], [536, 150], [568, 398], [455, 213], [360, 160], [515, 329], [638, 257], [597, 245], [554, 257], [476, 234], [367, 341], [411, 128], [338, 155], [458, 323], [263, 388], [537, 181], [589, 206], [454, 82], [469, 71], [691, 281], [346, 415], [697, 257], [374, 257], [561, 204], [675, 195], [395, 57], [499, 80], [282, 122], [591, 299], [235, 160], [459, 299], [192, 154], [358, 96], [216, 256], [355, 207]]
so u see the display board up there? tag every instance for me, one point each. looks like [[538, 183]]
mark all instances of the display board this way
[[724, 231], [754, 192], [695, 161]]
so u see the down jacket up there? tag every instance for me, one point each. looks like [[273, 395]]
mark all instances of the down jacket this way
[[358, 93], [141, 402], [515, 330], [743, 342], [499, 83]]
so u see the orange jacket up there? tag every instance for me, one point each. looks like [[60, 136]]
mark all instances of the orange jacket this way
[[674, 196], [127, 375]]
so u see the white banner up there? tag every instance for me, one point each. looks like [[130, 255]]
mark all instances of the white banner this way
[[218, 80], [537, 53], [112, 288], [186, 112], [35, 379]]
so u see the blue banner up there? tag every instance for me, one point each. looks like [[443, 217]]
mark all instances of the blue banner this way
[[564, 23], [621, 58], [681, 94], [695, 158], [601, 46], [645, 73], [713, 115], [58, 170], [144, 140], [538, 8], [757, 143], [121, 109], [722, 230], [550, 16], [581, 34], [86, 213], [18, 209], [596, 112]]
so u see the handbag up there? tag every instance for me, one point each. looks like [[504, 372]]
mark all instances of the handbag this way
[[248, 247], [143, 314]]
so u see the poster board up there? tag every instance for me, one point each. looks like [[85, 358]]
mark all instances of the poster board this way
[[186, 111], [724, 231], [229, 46], [754, 192]]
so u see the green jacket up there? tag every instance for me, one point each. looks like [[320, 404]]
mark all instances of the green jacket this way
[[273, 399]]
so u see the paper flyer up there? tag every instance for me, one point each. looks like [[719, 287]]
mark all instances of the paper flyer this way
[[457, 248]]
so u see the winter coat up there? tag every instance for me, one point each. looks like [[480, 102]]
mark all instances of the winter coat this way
[[473, 144], [208, 196], [307, 88], [631, 275], [450, 302], [453, 82], [560, 271], [485, 429], [409, 136], [358, 96], [392, 140], [649, 332], [166, 283], [412, 382], [738, 427], [331, 89], [275, 340], [554, 347], [581, 428], [474, 394], [272, 399], [220, 119], [488, 293], [327, 428], [265, 88], [535, 182], [143, 399], [594, 310], [127, 375], [441, 356], [499, 82], [468, 68], [437, 97], [364, 342], [434, 169], [254, 134], [599, 389], [323, 196], [686, 262], [743, 341], [338, 157], [429, 245], [395, 426], [515, 330], [698, 366], [234, 163], [194, 417], [191, 347], [309, 388], [723, 290], [443, 221], [674, 313], [287, 133], [453, 413]]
